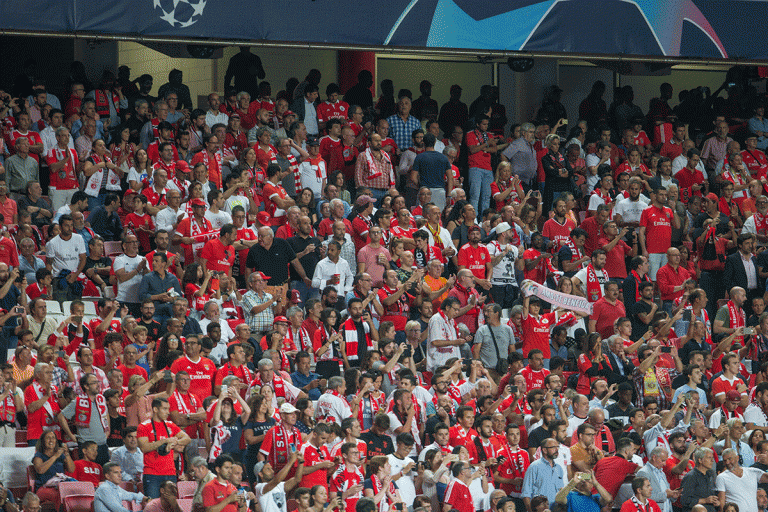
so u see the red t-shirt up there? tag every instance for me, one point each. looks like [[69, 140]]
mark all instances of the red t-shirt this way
[[539, 272], [611, 472], [343, 480], [676, 480], [98, 337], [533, 379], [325, 229], [32, 137], [458, 496], [133, 221], [41, 418], [65, 178], [215, 492], [200, 373], [244, 233], [154, 464], [457, 436], [327, 111], [330, 148], [721, 385], [536, 333], [34, 290], [558, 233], [604, 313], [312, 457], [658, 229], [190, 405], [86, 471], [270, 191], [475, 259], [481, 159], [130, 372], [359, 232], [218, 257], [614, 261]]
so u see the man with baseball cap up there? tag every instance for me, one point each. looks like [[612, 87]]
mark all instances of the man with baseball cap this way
[[192, 232], [258, 304], [282, 441], [505, 260]]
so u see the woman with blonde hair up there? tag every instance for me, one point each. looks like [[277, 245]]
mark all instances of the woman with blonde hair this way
[[506, 189]]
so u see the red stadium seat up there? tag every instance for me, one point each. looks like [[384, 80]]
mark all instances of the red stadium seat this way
[[291, 505], [186, 489], [185, 504], [77, 496]]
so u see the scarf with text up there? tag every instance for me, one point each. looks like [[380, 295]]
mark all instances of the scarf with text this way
[[373, 171], [84, 409]]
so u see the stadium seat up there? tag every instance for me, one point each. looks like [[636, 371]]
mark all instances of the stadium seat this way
[[54, 308], [21, 438], [77, 496], [128, 486], [128, 505], [113, 248], [185, 504], [187, 489], [291, 505], [90, 308]]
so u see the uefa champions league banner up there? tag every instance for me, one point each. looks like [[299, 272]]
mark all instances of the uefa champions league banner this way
[[676, 28]]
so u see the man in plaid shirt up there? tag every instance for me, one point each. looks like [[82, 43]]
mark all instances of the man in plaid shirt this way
[[258, 304], [402, 124]]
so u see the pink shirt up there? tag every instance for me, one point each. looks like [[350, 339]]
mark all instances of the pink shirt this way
[[369, 255]]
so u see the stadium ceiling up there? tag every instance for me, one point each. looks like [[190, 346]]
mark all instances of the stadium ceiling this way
[[669, 32]]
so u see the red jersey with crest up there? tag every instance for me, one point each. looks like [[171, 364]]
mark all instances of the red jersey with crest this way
[[475, 259]]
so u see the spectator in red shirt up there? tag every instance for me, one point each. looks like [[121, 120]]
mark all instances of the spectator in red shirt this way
[[670, 279], [220, 491], [606, 311], [86, 470], [594, 227], [457, 495], [476, 258], [616, 249], [655, 234], [691, 180], [674, 147]]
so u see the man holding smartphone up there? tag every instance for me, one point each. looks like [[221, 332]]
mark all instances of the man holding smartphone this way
[[219, 495]]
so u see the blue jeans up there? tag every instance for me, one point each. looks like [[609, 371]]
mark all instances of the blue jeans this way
[[378, 194], [480, 189], [152, 483], [305, 293]]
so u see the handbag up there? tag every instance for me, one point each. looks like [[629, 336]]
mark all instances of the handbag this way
[[501, 364]]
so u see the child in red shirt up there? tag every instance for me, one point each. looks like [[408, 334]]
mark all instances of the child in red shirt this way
[[42, 288], [141, 223]]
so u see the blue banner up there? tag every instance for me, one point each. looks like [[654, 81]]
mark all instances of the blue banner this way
[[674, 28]]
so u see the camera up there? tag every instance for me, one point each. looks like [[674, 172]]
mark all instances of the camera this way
[[163, 450]]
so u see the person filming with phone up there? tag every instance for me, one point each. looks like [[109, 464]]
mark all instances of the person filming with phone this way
[[219, 495]]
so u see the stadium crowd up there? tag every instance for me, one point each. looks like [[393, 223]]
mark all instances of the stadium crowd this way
[[286, 303]]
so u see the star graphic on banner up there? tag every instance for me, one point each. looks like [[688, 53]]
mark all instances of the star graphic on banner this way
[[168, 16], [198, 7]]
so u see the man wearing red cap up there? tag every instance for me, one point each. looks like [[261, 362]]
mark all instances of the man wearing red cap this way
[[192, 232], [729, 409]]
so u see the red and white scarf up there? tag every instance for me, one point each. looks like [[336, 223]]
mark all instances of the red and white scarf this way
[[638, 280], [50, 417], [201, 234], [94, 182], [377, 485], [605, 197], [8, 409], [375, 406], [102, 102], [182, 404], [219, 435], [594, 292], [736, 317], [450, 333], [373, 171], [761, 223], [351, 340], [84, 409], [281, 439], [277, 383]]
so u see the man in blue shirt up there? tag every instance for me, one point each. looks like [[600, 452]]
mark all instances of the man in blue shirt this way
[[309, 382], [109, 496], [544, 477], [578, 494], [402, 124], [431, 168]]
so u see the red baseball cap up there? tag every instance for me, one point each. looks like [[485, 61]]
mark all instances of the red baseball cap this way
[[182, 165], [130, 192], [733, 395], [198, 202], [261, 275], [713, 197], [280, 319], [295, 296], [263, 218]]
